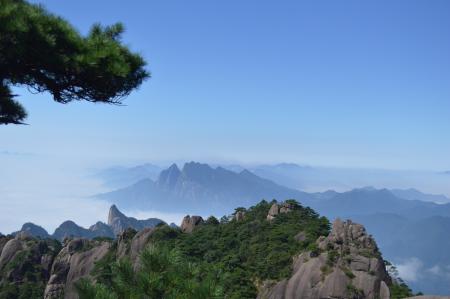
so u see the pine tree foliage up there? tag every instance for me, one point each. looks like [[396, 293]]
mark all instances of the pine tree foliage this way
[[45, 53], [163, 273]]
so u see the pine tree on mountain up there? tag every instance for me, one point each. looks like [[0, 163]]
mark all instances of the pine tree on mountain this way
[[46, 54]]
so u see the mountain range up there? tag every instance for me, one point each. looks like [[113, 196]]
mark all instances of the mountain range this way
[[271, 250], [117, 223], [200, 189], [313, 179], [406, 222]]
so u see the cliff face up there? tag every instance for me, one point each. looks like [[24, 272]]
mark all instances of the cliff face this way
[[74, 261], [25, 265], [345, 264]]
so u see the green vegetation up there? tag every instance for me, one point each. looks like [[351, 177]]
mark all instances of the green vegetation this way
[[24, 276], [163, 273], [233, 255], [348, 272], [354, 293], [45, 53]]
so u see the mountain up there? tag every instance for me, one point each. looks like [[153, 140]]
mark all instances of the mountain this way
[[118, 222], [419, 247], [69, 229], [200, 188], [367, 201], [272, 250], [393, 216], [410, 233], [33, 230], [101, 229], [413, 194], [119, 177]]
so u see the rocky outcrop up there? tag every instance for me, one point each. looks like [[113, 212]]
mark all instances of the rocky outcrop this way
[[74, 261], [119, 222], [189, 223], [276, 209], [3, 241], [9, 251], [25, 259], [239, 216], [345, 264], [139, 242]]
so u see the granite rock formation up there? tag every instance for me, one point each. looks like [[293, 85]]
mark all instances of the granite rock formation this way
[[345, 264], [189, 223], [74, 261], [278, 209]]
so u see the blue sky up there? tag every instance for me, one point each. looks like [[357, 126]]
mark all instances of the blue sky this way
[[358, 84], [343, 83]]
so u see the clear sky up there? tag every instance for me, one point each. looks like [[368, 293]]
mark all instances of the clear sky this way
[[346, 83], [331, 83]]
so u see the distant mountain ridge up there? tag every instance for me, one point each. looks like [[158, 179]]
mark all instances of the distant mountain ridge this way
[[34, 230], [200, 188], [365, 201], [414, 194], [117, 223]]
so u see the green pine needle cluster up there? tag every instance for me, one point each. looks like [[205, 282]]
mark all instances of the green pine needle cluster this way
[[45, 53]]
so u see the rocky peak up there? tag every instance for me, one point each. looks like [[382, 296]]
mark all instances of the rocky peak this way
[[118, 222], [344, 264], [347, 235], [198, 172], [189, 223], [113, 214], [169, 177]]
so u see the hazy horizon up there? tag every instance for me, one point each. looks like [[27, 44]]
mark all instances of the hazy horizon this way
[[48, 190]]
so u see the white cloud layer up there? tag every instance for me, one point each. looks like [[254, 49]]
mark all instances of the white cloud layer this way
[[413, 270]]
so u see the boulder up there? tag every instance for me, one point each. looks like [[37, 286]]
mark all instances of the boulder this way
[[239, 216], [276, 209], [189, 223]]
